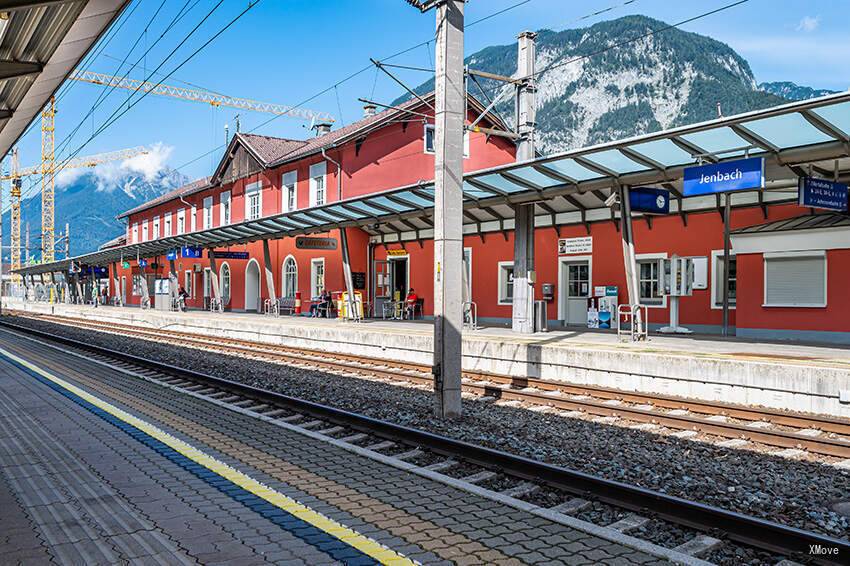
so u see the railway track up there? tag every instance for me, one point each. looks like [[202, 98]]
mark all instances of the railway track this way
[[708, 527], [816, 434]]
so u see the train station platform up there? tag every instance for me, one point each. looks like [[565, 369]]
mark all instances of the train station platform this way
[[783, 375], [100, 466]]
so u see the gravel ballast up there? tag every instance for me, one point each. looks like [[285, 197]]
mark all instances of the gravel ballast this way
[[791, 492]]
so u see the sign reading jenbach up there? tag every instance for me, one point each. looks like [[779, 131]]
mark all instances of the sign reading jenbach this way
[[728, 176]]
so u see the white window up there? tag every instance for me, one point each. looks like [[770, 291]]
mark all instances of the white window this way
[[317, 183], [795, 279], [144, 230], [317, 276], [224, 286], [166, 225], [717, 279], [194, 220], [290, 277], [208, 213], [137, 285], [253, 201], [289, 186], [189, 283], [430, 139], [506, 282], [650, 284], [135, 239], [156, 227], [224, 209], [181, 221], [207, 283]]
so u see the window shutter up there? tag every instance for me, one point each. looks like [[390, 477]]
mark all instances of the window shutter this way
[[795, 280]]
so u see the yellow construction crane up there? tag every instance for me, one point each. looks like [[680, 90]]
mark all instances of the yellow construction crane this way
[[197, 95], [49, 169]]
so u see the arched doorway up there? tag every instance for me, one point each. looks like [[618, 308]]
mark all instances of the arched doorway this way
[[252, 286]]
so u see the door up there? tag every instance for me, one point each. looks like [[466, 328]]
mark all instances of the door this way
[[398, 278], [576, 275], [252, 286], [123, 289], [382, 285]]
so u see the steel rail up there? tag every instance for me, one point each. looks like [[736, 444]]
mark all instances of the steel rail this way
[[738, 527], [515, 389]]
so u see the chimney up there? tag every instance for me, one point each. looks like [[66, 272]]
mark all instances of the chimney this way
[[369, 110], [322, 128]]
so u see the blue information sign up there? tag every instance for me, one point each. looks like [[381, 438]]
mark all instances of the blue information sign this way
[[725, 177], [649, 200], [820, 193], [143, 262], [190, 252], [171, 255]]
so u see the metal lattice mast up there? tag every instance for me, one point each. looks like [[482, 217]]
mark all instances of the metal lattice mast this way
[[211, 98], [15, 218], [48, 165]]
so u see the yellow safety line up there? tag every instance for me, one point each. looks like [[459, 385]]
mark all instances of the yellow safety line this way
[[291, 506]]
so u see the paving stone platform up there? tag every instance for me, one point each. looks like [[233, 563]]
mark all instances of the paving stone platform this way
[[94, 469]]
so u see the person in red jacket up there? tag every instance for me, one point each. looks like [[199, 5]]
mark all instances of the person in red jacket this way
[[410, 304]]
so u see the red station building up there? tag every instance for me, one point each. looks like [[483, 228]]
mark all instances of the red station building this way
[[787, 273]]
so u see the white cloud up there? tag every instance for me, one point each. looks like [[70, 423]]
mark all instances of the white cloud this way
[[107, 174], [808, 24]]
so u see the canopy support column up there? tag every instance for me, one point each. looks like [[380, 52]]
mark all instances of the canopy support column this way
[[353, 312], [216, 298], [629, 259], [267, 265], [448, 206], [172, 281], [116, 285]]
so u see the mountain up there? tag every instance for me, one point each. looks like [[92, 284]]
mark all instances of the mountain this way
[[793, 91], [592, 95], [90, 202]]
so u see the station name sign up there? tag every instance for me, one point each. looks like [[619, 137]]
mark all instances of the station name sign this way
[[230, 255], [725, 177], [307, 243], [820, 193]]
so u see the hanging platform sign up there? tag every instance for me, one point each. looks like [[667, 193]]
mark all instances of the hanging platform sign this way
[[125, 264], [308, 243], [190, 252], [569, 246], [143, 263], [649, 200], [230, 255], [171, 255], [820, 193], [725, 177]]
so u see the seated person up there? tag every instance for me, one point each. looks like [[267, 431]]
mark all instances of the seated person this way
[[410, 304], [321, 303]]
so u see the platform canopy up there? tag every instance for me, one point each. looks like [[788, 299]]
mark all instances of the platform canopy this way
[[41, 42], [808, 137]]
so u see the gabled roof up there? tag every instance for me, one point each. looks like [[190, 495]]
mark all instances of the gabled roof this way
[[271, 152], [188, 189], [808, 222], [114, 242]]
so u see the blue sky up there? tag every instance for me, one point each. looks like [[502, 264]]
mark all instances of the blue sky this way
[[287, 51]]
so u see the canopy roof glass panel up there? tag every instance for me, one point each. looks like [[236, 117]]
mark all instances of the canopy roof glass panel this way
[[837, 114], [501, 184], [415, 199], [719, 141], [474, 192], [787, 130], [393, 205], [535, 177], [572, 169], [346, 211], [371, 210], [615, 161], [664, 152]]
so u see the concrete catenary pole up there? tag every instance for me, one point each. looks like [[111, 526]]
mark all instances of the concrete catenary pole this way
[[522, 315], [448, 207]]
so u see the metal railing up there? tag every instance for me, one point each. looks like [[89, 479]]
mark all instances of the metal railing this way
[[470, 315], [216, 304], [636, 319], [271, 307]]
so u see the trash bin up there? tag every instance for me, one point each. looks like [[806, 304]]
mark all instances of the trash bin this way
[[541, 324]]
